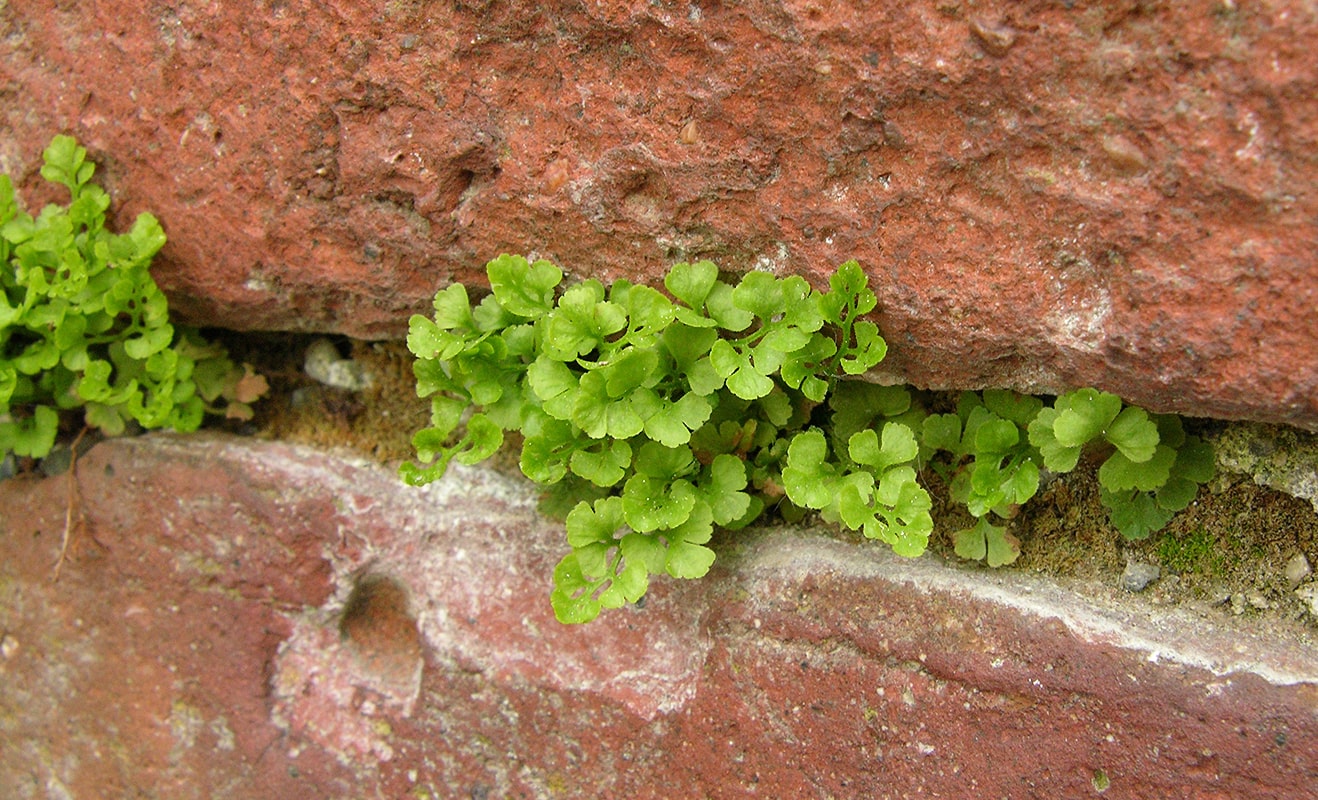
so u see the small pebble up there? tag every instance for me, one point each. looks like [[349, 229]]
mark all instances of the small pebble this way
[[1309, 594], [1138, 575], [690, 133], [323, 363], [1297, 569], [1257, 600], [557, 174], [996, 38], [1237, 604], [8, 646], [1124, 154]]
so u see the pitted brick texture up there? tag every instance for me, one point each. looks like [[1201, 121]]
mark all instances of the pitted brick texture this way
[[1046, 195], [210, 637]]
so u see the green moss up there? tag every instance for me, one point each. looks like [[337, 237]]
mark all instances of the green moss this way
[[1196, 552]]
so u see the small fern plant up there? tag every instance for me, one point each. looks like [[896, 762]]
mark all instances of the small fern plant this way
[[83, 325], [998, 444], [653, 418]]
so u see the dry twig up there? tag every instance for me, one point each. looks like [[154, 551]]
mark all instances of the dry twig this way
[[72, 502]]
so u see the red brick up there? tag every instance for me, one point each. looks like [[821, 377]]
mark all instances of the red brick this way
[[210, 637], [1046, 195]]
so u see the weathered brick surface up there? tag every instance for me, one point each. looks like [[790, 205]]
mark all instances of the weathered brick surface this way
[[252, 620], [1047, 195]]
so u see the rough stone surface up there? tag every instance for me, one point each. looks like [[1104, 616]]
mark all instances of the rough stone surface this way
[[251, 620], [1047, 195], [1279, 458]]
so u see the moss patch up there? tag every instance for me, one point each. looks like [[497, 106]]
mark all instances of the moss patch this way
[[377, 422]]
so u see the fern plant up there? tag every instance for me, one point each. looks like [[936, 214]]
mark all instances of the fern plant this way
[[652, 418], [83, 325]]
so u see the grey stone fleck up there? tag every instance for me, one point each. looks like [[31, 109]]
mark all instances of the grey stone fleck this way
[[1297, 569], [1137, 576], [1309, 594], [326, 365], [1237, 603], [1217, 594]]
